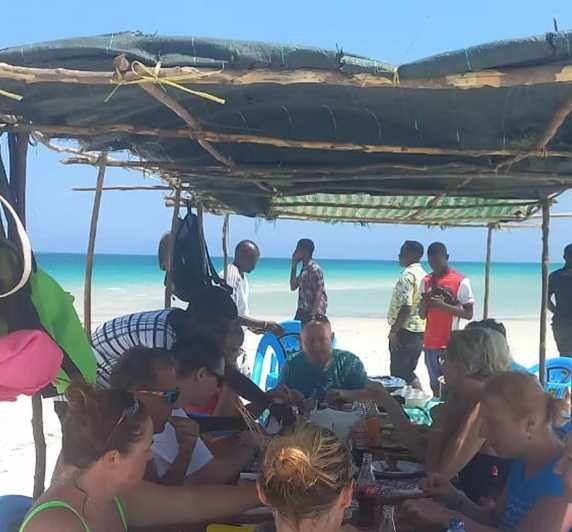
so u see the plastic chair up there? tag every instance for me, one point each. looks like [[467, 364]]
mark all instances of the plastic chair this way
[[13, 509], [558, 375], [282, 348]]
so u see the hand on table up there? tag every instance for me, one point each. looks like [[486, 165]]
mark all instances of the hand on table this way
[[440, 489], [286, 395], [187, 433], [378, 393]]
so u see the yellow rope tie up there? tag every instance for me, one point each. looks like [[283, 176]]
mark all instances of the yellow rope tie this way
[[11, 95], [146, 75]]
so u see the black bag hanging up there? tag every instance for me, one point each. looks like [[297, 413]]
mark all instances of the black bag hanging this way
[[192, 269]]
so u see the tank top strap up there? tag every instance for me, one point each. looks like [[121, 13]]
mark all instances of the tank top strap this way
[[53, 505], [121, 511]]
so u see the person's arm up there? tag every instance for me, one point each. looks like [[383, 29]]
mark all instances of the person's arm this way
[[226, 404], [261, 325], [318, 282], [450, 450], [187, 432], [294, 278], [551, 303], [407, 432], [405, 290], [150, 504], [464, 312], [423, 306]]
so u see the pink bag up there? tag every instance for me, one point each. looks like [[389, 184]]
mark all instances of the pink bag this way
[[29, 361]]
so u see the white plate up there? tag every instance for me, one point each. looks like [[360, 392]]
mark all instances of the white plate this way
[[405, 469]]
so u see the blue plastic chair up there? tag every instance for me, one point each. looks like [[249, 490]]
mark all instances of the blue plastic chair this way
[[281, 349], [558, 375], [13, 509]]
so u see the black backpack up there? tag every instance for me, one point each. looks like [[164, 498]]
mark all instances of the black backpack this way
[[192, 269]]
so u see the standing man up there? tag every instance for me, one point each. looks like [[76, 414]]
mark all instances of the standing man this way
[[447, 298], [560, 286], [407, 326], [246, 256], [312, 297]]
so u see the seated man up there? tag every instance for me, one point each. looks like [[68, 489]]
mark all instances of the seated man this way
[[163, 382], [321, 372]]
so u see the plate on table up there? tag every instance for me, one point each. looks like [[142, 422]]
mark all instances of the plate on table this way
[[397, 469], [391, 384]]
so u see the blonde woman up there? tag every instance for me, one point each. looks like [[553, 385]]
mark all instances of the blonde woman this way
[[307, 480], [453, 444], [517, 420]]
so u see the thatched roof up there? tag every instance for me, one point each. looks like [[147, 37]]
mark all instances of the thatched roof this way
[[477, 136]]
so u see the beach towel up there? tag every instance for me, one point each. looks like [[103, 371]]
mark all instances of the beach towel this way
[[29, 361]]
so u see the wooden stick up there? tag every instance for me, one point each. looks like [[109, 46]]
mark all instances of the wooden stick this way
[[553, 73], [91, 248], [544, 301], [39, 444], [550, 132], [215, 137], [193, 124], [488, 271], [171, 247], [225, 227]]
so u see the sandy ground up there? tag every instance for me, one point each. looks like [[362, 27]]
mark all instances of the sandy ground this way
[[366, 337]]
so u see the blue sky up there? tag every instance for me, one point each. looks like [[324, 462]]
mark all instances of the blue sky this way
[[397, 32]]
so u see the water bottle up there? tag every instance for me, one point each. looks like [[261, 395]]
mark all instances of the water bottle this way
[[366, 493], [456, 525], [388, 522]]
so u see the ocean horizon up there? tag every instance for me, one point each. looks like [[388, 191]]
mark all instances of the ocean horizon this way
[[356, 288]]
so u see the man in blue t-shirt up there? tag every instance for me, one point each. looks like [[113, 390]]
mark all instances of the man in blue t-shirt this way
[[321, 372]]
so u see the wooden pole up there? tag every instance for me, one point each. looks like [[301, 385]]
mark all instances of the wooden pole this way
[[171, 245], [488, 272], [18, 146], [91, 249], [544, 302], [225, 244]]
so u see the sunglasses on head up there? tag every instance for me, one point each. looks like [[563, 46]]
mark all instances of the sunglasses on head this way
[[127, 413], [169, 396]]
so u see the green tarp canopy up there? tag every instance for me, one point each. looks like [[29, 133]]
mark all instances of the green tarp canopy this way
[[477, 136]]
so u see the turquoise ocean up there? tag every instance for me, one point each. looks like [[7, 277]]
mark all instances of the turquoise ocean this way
[[355, 288]]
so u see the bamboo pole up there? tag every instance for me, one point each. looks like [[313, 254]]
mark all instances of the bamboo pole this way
[[91, 248], [171, 246], [488, 271], [544, 301], [554, 73], [225, 227]]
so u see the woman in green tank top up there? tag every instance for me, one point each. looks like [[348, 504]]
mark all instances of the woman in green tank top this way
[[107, 439]]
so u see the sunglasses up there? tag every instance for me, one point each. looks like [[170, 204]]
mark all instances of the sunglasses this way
[[127, 413], [169, 396]]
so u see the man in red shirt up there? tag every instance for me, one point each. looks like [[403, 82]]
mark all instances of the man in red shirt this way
[[447, 298]]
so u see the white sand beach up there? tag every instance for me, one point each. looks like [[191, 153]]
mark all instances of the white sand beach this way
[[366, 337]]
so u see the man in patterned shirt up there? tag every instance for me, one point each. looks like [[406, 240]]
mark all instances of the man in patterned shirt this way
[[407, 326], [312, 297]]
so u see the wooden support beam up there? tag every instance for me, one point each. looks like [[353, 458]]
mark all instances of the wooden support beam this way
[[225, 227], [91, 248], [171, 246], [544, 301], [554, 73], [488, 271], [232, 138]]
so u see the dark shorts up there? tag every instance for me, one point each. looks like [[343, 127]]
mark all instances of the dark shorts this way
[[562, 330], [405, 355], [434, 368]]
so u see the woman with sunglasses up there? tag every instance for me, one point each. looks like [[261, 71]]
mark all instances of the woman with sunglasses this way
[[107, 439], [453, 444]]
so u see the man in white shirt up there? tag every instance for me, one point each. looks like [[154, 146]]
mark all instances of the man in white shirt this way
[[246, 256]]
